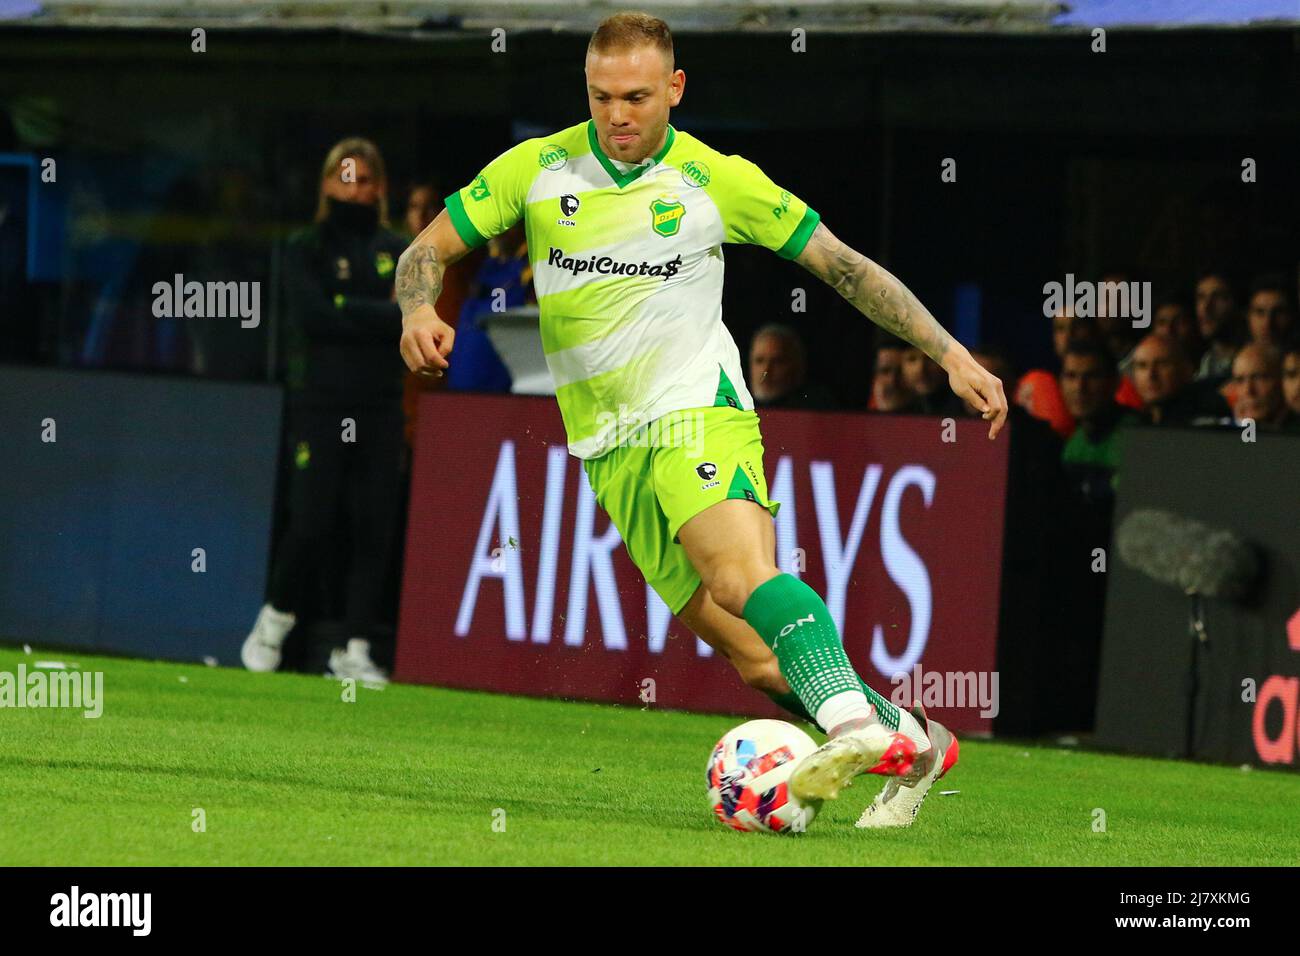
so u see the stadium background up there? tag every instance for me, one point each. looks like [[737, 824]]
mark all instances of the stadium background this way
[[171, 160]]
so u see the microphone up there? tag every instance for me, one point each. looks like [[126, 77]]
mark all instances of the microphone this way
[[1202, 562], [1188, 555]]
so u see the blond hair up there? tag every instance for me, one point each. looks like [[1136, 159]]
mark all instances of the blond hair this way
[[624, 31], [354, 147]]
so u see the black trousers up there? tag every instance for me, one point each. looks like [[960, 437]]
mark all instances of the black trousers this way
[[345, 491]]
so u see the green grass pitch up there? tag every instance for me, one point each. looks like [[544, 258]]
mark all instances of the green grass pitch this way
[[286, 772]]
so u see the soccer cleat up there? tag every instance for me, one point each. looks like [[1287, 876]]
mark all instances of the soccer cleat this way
[[898, 804], [261, 650], [355, 662], [869, 748]]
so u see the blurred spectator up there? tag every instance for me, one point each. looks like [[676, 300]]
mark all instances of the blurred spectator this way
[[778, 371], [1270, 313], [1291, 379], [928, 383], [422, 207], [1039, 390], [1091, 456], [1257, 375], [889, 391], [1117, 332], [1216, 320], [504, 281], [344, 416], [1174, 318], [1162, 375]]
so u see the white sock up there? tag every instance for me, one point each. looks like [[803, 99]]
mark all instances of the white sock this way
[[907, 724], [841, 707]]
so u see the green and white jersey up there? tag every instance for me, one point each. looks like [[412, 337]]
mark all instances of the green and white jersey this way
[[627, 266]]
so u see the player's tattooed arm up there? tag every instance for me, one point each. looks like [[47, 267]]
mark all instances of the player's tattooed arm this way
[[879, 296], [419, 277], [875, 292], [426, 339]]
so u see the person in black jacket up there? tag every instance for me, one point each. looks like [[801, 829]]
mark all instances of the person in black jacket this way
[[344, 435]]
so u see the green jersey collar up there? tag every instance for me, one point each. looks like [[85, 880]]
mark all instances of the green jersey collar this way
[[635, 173]]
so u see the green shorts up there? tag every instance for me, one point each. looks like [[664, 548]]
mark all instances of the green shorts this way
[[666, 474]]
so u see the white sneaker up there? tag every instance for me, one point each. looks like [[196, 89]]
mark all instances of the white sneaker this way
[[867, 748], [899, 802], [355, 662], [261, 650]]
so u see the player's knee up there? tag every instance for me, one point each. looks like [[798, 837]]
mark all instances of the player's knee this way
[[731, 584], [764, 676]]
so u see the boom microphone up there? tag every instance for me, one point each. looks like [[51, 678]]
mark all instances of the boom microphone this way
[[1188, 555]]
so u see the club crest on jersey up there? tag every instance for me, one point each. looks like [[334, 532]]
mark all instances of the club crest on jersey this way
[[568, 207], [708, 471], [666, 215]]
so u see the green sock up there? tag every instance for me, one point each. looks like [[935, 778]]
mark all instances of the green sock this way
[[885, 709], [793, 620]]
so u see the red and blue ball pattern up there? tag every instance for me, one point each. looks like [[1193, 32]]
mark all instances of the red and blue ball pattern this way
[[748, 774]]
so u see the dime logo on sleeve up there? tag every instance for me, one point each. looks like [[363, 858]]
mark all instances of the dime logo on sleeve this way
[[695, 173], [553, 157]]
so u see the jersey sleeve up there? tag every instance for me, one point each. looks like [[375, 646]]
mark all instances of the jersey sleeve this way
[[756, 210], [494, 200]]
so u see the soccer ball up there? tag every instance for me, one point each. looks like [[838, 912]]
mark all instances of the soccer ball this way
[[748, 773]]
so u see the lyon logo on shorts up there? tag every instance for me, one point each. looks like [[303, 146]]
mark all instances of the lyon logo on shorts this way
[[707, 470]]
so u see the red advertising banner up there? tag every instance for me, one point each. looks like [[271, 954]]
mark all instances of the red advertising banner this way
[[516, 581]]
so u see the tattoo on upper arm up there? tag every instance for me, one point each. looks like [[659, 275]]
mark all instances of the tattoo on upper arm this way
[[419, 277], [874, 292]]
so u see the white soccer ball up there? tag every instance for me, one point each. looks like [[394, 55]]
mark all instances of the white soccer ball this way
[[749, 771]]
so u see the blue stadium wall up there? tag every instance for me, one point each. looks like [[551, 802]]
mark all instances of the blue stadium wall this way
[[98, 527]]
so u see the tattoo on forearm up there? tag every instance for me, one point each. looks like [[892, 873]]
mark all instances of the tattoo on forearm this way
[[876, 293], [419, 278]]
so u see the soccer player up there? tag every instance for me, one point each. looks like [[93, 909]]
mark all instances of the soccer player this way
[[625, 218]]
